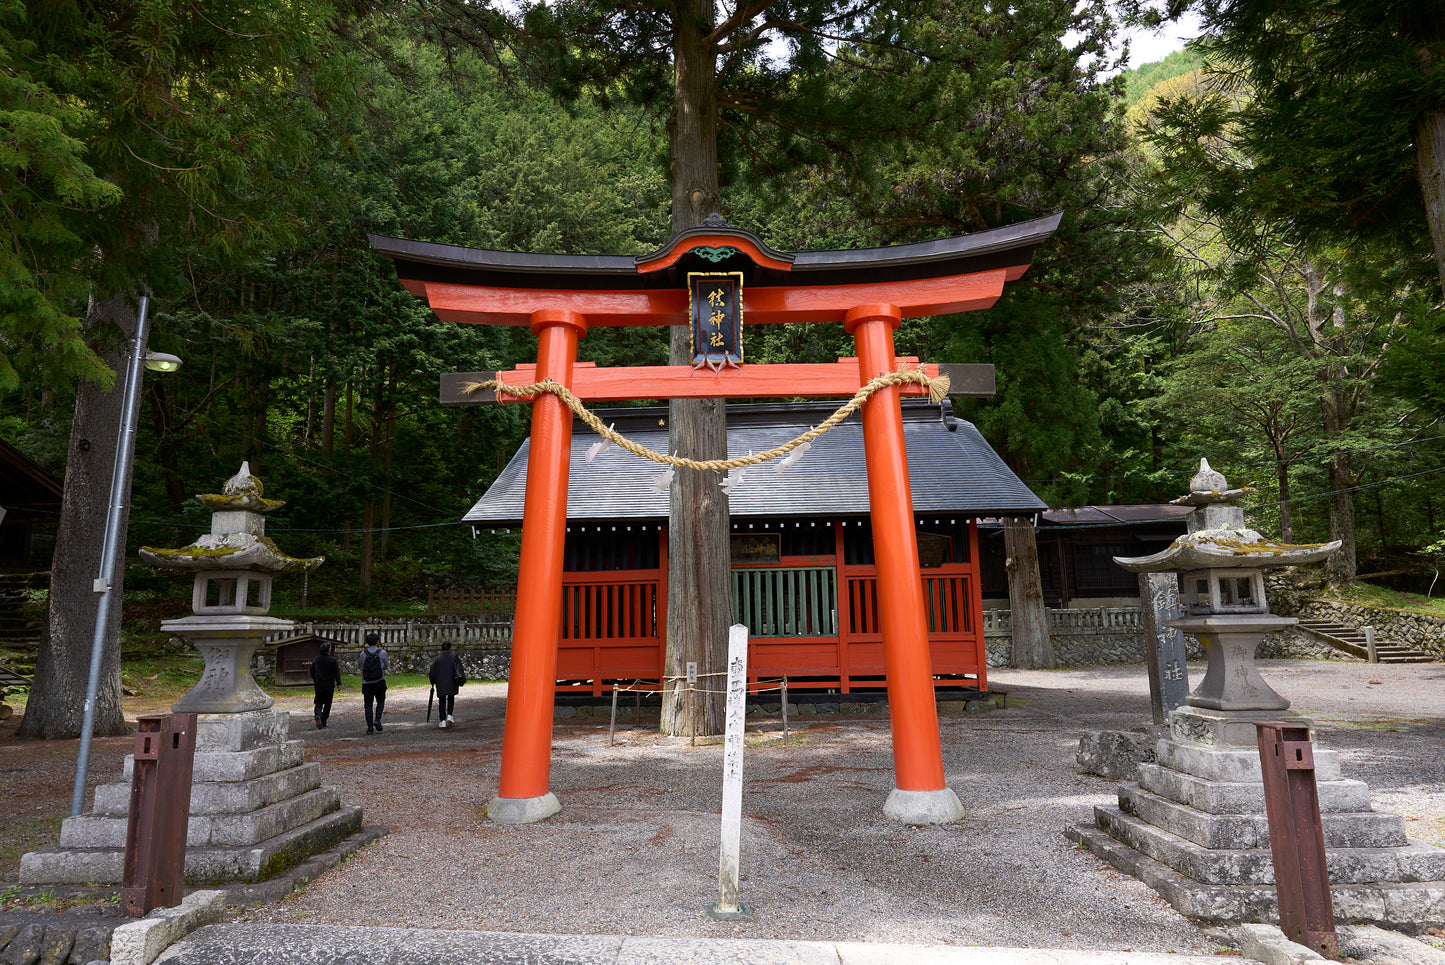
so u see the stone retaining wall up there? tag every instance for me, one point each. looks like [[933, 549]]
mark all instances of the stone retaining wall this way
[[1391, 626]]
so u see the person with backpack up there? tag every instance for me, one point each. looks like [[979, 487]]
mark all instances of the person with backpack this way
[[374, 663], [325, 678], [447, 677]]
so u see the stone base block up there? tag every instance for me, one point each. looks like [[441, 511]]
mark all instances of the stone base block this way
[[1230, 765], [241, 732], [204, 865], [1343, 829], [141, 942], [1413, 861], [1224, 729], [523, 810], [1117, 754], [1242, 797], [1409, 906], [923, 807], [202, 830], [223, 797], [237, 765]]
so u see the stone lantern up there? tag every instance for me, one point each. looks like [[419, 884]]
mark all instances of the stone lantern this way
[[1221, 563], [234, 565], [1195, 826], [256, 806]]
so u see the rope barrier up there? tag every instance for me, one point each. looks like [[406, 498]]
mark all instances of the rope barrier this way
[[937, 391]]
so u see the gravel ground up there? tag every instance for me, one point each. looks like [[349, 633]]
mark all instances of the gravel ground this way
[[634, 850]]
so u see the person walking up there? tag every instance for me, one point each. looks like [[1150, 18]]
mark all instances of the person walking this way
[[374, 664], [447, 677], [325, 678]]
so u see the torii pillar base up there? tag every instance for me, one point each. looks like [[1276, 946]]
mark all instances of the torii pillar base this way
[[523, 810], [923, 807]]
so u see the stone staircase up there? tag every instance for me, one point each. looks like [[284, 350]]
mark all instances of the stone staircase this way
[[1352, 641]]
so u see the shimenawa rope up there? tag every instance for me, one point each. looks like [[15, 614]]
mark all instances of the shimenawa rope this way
[[937, 391]]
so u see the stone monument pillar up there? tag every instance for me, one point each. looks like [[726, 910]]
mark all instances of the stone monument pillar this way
[[256, 808], [1194, 825]]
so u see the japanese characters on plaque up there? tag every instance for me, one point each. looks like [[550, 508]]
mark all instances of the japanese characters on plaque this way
[[716, 312]]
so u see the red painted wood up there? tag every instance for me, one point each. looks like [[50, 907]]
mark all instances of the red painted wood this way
[[479, 305], [670, 257], [819, 379]]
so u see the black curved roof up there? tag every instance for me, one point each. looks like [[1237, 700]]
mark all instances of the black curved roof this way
[[1008, 247], [951, 468]]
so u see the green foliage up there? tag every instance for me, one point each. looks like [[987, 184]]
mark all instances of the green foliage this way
[[45, 177], [1138, 81]]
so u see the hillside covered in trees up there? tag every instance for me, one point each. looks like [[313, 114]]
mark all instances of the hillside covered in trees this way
[[1187, 307]]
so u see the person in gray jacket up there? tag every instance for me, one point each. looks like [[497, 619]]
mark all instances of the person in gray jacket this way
[[447, 677], [374, 664]]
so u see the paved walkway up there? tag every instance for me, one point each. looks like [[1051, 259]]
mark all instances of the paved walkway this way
[[305, 945]]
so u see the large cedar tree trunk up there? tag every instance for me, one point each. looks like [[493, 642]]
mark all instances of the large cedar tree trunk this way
[[56, 707], [1032, 649], [699, 607], [1429, 137]]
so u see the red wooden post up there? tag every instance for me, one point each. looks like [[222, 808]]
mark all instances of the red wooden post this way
[[917, 750], [527, 738]]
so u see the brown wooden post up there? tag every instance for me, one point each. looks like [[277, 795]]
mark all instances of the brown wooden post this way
[[154, 872], [1296, 836]]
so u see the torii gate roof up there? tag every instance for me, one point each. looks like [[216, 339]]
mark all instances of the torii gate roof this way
[[931, 277]]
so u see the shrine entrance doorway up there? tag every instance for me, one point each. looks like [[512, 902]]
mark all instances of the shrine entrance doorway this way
[[713, 277]]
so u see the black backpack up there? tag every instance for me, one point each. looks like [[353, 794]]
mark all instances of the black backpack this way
[[371, 665]]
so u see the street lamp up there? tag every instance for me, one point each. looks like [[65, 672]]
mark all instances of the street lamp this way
[[119, 483]]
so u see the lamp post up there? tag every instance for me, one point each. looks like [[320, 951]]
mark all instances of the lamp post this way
[[119, 483]]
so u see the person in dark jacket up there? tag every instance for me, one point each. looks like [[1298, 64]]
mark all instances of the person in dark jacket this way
[[447, 677], [325, 677], [374, 664]]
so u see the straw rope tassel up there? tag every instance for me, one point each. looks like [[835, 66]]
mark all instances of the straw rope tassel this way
[[937, 392]]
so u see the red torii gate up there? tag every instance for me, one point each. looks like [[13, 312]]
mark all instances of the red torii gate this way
[[869, 290]]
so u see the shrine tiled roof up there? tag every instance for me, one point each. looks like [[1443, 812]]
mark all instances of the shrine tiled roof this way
[[951, 468]]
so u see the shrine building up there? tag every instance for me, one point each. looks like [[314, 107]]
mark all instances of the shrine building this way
[[804, 576]]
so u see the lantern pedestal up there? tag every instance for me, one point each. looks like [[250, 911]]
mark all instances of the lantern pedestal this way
[[1232, 681], [227, 643]]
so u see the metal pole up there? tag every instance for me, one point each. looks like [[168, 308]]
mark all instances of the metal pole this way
[[119, 483]]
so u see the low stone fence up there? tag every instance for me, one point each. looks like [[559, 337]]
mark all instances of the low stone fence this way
[[484, 644], [1080, 637]]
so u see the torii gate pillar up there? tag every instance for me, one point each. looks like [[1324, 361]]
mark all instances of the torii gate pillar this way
[[523, 796], [919, 795]]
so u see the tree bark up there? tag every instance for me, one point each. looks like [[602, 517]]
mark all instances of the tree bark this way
[[1032, 649], [1286, 513], [699, 604], [56, 707], [1429, 136]]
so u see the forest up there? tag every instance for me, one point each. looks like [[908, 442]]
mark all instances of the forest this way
[[1248, 267]]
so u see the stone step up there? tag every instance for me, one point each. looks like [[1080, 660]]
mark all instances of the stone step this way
[[1352, 641], [1342, 829], [238, 765], [1394, 905], [266, 858], [231, 830], [1413, 861], [1242, 797], [223, 797], [1235, 764]]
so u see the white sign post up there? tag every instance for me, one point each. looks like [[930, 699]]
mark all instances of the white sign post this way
[[728, 907]]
